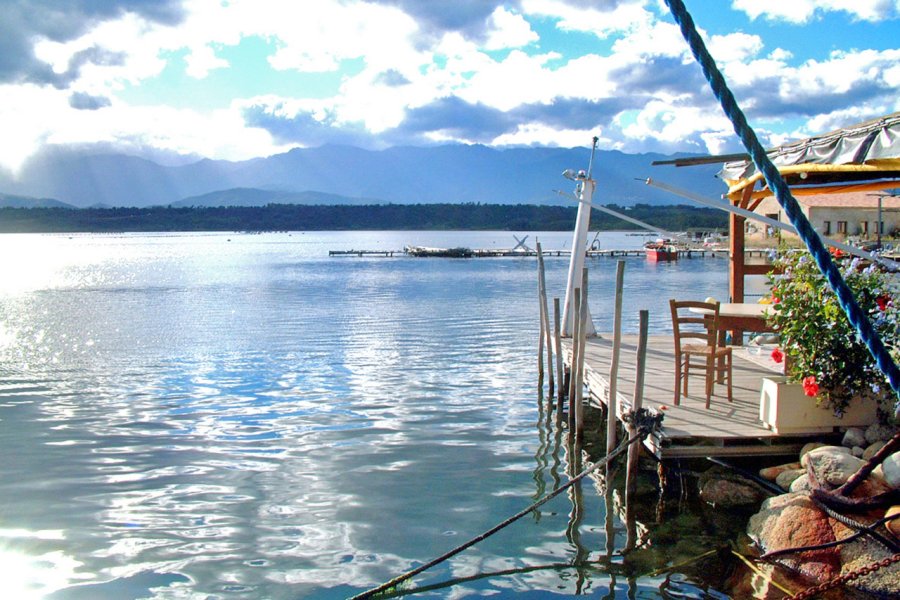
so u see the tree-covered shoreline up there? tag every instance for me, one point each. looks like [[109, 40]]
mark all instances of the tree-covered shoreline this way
[[288, 217]]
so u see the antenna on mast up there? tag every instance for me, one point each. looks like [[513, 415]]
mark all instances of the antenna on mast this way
[[591, 163]]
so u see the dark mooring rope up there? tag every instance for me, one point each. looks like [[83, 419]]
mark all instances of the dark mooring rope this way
[[648, 422], [787, 201]]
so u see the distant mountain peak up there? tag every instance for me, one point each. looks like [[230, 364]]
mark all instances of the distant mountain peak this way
[[451, 173]]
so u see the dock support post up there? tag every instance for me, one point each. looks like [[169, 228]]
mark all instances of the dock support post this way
[[581, 340], [634, 451], [545, 318], [573, 363], [560, 394], [612, 403]]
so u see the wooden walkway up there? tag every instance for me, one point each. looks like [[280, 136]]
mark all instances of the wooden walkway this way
[[690, 430], [504, 253]]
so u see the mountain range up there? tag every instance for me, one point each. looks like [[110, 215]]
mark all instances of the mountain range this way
[[334, 175]]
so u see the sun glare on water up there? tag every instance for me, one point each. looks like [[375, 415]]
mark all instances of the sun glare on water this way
[[26, 577]]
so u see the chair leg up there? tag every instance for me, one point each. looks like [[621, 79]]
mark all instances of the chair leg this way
[[710, 377], [677, 381], [728, 362]]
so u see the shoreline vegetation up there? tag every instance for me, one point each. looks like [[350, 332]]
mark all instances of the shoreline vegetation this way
[[288, 217]]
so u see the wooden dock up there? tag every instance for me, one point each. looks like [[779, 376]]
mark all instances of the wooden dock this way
[[690, 430], [518, 253], [361, 253]]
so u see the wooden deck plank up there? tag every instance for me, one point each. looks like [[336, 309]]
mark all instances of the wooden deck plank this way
[[717, 430]]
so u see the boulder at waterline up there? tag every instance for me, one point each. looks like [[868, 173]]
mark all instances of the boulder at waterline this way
[[833, 465], [791, 521], [854, 436], [786, 478], [772, 473], [872, 449], [891, 470], [804, 458], [863, 552], [894, 525], [879, 433], [723, 488]]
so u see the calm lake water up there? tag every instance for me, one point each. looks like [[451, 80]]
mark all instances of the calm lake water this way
[[241, 416]]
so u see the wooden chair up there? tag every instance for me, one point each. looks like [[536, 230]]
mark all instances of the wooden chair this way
[[700, 328]]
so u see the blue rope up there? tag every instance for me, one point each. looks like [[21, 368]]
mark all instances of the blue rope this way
[[782, 192]]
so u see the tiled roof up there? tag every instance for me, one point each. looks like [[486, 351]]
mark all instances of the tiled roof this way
[[850, 200]]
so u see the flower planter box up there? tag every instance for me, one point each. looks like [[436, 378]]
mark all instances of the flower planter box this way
[[785, 409]]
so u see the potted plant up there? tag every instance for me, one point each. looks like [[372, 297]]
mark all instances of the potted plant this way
[[825, 361]]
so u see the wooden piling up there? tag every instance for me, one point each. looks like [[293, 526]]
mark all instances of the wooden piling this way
[[634, 451], [545, 318], [581, 340], [612, 403], [573, 363], [560, 395]]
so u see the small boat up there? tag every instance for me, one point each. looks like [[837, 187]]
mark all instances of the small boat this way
[[439, 252], [661, 250]]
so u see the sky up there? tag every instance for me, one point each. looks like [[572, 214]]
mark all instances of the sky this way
[[177, 80]]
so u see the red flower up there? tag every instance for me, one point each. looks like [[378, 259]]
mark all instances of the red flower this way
[[776, 300], [777, 355], [882, 301], [810, 387]]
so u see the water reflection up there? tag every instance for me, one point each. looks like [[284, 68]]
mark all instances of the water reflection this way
[[198, 417]]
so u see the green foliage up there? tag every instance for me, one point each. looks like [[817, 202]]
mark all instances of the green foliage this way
[[296, 217], [822, 348]]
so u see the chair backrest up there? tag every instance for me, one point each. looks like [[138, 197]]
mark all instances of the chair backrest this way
[[694, 320]]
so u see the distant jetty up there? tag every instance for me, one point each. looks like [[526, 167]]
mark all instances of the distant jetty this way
[[462, 252]]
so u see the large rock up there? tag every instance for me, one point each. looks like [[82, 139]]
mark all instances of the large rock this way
[[807, 448], [791, 521], [804, 458], [863, 552], [832, 465], [879, 432], [786, 478], [801, 484], [871, 450], [891, 470], [772, 473], [854, 436], [894, 525], [724, 489]]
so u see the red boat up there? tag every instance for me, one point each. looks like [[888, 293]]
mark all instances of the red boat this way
[[660, 251]]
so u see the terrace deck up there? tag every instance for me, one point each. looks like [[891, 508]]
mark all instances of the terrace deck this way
[[690, 430]]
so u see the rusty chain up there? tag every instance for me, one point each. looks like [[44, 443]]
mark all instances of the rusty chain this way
[[842, 579]]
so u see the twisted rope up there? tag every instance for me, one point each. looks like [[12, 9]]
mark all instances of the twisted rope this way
[[782, 192]]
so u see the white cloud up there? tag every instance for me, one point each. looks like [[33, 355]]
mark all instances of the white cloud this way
[[398, 66], [542, 135], [802, 11], [675, 126], [625, 17], [516, 80], [508, 30], [202, 60], [734, 47], [652, 39]]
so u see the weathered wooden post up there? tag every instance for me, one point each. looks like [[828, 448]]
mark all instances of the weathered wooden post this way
[[612, 403], [573, 363], [545, 318], [560, 395], [581, 340], [634, 451]]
